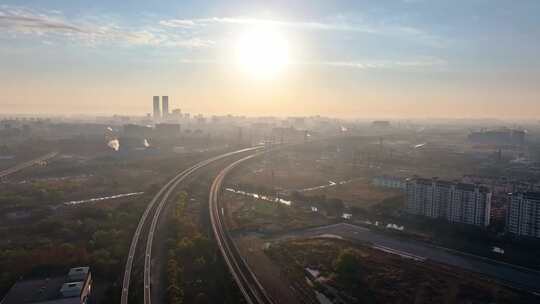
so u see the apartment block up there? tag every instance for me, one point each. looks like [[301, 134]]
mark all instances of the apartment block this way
[[523, 216], [455, 202]]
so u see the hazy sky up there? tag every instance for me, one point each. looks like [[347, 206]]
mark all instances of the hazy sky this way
[[355, 58]]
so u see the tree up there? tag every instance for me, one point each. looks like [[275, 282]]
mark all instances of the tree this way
[[348, 267], [175, 292], [334, 206], [104, 263], [281, 211]]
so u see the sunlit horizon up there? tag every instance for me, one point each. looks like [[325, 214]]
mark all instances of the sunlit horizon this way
[[367, 59]]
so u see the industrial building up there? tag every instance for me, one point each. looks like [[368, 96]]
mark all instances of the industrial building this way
[[523, 216], [137, 131], [499, 137], [455, 202], [170, 130], [73, 288]]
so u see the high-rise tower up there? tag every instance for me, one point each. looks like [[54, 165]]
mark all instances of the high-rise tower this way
[[165, 106], [157, 112]]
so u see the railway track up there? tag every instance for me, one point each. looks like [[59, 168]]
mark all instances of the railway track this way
[[153, 210], [246, 280]]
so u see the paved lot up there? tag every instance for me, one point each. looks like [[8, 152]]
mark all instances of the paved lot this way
[[511, 275]]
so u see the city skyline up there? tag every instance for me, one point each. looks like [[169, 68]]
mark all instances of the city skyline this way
[[350, 59]]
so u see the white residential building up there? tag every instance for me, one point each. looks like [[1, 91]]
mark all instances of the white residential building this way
[[523, 217], [456, 202]]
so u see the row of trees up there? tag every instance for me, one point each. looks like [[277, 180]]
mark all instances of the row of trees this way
[[175, 291], [195, 270], [181, 226]]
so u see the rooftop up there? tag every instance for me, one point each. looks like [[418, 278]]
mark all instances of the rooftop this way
[[71, 289], [531, 195], [78, 273], [443, 183], [34, 290], [63, 289]]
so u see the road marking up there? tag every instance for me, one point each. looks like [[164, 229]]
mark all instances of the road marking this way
[[403, 254]]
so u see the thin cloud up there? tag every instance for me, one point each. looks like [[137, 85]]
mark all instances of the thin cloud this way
[[27, 21], [343, 26], [182, 33], [19, 20], [384, 64], [178, 23], [190, 23], [363, 65]]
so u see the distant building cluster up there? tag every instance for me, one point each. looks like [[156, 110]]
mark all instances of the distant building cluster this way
[[380, 124], [163, 112], [455, 202], [501, 185], [167, 129], [73, 288], [523, 216], [500, 137]]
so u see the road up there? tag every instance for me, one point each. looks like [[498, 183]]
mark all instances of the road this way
[[510, 275], [154, 209], [246, 280], [27, 164]]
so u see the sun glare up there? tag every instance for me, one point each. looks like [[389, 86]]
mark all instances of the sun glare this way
[[262, 52]]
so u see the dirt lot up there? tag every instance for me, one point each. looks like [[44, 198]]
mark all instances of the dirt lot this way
[[245, 213], [314, 174], [294, 170], [387, 278], [269, 274], [356, 193]]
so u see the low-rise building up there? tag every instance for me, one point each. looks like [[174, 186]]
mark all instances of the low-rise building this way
[[169, 130], [73, 288], [390, 182]]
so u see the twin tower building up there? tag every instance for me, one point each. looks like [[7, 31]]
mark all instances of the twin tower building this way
[[164, 111]]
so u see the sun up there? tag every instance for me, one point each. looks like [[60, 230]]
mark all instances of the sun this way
[[262, 52]]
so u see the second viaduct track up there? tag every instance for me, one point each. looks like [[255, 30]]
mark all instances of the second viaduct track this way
[[153, 210], [246, 280]]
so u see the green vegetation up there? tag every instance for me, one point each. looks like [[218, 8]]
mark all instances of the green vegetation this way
[[38, 232], [195, 270], [362, 274], [348, 267], [175, 292], [51, 239], [389, 206]]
